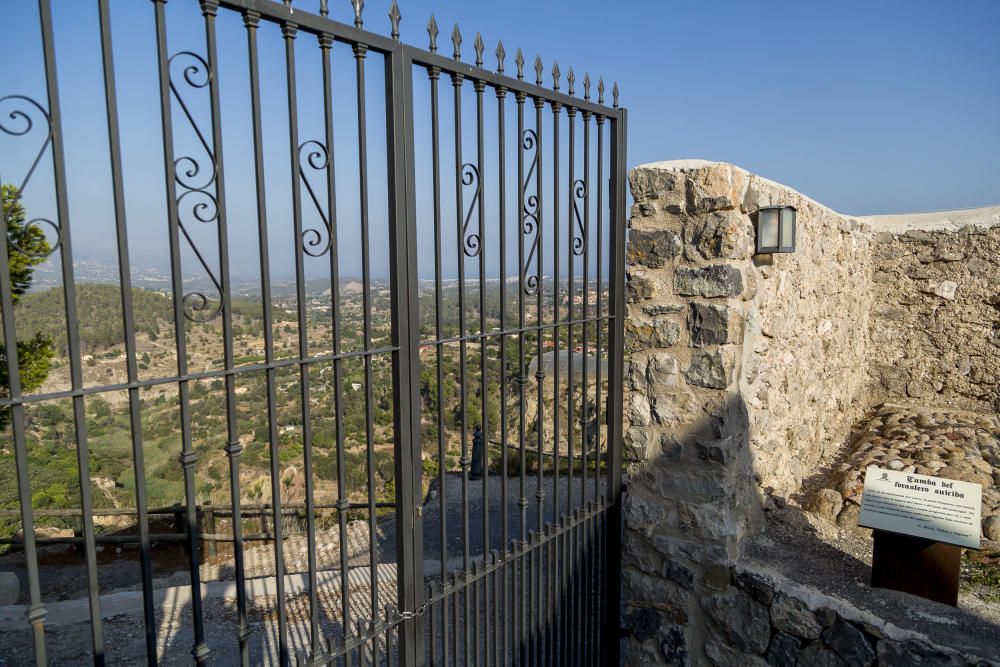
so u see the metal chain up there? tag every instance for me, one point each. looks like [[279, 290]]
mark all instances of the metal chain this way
[[406, 615]]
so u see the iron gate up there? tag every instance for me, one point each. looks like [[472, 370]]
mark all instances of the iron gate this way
[[470, 339]]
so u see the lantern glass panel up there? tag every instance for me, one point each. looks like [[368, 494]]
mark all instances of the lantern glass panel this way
[[767, 228], [787, 228]]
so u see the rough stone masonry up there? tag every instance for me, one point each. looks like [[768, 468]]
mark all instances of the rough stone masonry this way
[[745, 376]]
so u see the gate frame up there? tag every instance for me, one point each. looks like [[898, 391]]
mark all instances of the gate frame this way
[[399, 62]]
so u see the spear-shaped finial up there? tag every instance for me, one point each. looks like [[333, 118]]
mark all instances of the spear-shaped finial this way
[[359, 6], [538, 70], [478, 46], [501, 54], [456, 39], [586, 85], [571, 78], [324, 9], [395, 17], [600, 90], [519, 61], [555, 75], [614, 93], [432, 30]]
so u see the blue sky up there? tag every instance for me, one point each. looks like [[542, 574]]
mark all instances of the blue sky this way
[[868, 107]]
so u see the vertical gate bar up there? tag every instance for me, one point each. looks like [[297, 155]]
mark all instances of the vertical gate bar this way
[[128, 324], [571, 248], [360, 53], [457, 80], [556, 312], [325, 44], [303, 330], [72, 327], [479, 86], [188, 457], [539, 317], [593, 624], [406, 359], [584, 389], [522, 381], [289, 30], [601, 410], [233, 447], [565, 614], [501, 93], [434, 75], [36, 611], [522, 368], [552, 546], [613, 539], [251, 20], [540, 378], [431, 633]]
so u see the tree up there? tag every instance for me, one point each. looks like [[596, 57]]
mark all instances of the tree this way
[[27, 247]]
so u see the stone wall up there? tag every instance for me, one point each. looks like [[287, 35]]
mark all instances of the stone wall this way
[[935, 330], [763, 619], [745, 374]]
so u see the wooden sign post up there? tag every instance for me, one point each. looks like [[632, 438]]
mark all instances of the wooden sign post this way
[[921, 524]]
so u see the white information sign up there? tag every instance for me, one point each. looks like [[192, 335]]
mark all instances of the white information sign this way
[[944, 510]]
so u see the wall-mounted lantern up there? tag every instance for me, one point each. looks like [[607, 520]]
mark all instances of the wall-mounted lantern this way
[[775, 229]]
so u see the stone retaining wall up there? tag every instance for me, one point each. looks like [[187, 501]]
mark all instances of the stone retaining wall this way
[[935, 331], [764, 619], [744, 375]]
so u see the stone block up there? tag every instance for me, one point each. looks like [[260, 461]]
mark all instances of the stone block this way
[[910, 654], [712, 281], [818, 654], [645, 334], [740, 620], [783, 651], [721, 235], [792, 616], [652, 248], [850, 643], [710, 324], [721, 655], [759, 587], [711, 369], [638, 287]]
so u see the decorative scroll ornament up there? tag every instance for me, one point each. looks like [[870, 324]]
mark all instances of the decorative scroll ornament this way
[[197, 200], [529, 218], [579, 234], [17, 122], [317, 158], [471, 243]]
